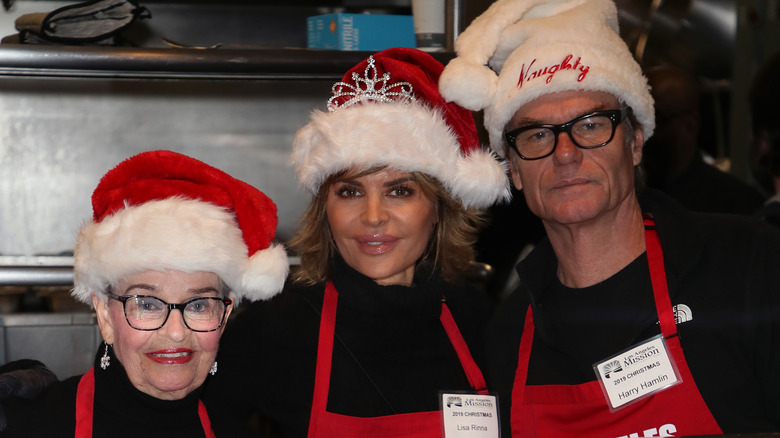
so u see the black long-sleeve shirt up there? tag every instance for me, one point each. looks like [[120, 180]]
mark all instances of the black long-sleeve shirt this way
[[391, 354], [725, 269]]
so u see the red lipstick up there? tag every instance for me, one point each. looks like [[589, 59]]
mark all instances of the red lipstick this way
[[171, 356]]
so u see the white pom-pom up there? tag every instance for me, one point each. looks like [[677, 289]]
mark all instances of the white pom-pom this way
[[480, 180], [265, 274], [470, 85]]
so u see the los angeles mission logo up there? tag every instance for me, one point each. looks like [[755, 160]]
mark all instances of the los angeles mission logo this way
[[535, 72]]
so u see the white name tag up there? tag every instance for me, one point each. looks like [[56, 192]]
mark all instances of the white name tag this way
[[469, 415], [637, 372]]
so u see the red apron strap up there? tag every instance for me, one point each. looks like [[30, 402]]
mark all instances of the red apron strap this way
[[473, 372], [204, 420], [324, 357], [655, 260], [85, 397], [523, 356]]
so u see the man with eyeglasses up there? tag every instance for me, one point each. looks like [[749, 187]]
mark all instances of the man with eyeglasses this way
[[635, 317]]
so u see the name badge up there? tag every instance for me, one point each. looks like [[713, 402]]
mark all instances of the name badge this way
[[637, 372], [469, 415]]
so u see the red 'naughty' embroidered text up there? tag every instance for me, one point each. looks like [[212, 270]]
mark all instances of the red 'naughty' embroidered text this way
[[550, 70]]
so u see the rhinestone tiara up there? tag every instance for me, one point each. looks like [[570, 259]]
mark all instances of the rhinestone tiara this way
[[369, 89]]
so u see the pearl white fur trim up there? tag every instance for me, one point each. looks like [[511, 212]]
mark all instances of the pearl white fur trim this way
[[174, 234], [406, 136]]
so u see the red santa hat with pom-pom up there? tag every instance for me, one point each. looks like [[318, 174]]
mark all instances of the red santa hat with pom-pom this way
[[540, 47], [161, 210], [387, 111]]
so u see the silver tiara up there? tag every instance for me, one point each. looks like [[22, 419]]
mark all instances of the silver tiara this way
[[370, 89]]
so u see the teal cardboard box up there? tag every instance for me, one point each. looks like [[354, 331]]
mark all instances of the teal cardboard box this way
[[360, 32]]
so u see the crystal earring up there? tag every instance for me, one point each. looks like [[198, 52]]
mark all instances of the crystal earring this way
[[213, 369], [105, 361]]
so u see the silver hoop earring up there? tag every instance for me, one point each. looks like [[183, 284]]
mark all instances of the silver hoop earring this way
[[105, 361], [213, 369]]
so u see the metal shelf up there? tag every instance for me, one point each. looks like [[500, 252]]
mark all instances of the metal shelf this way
[[36, 271], [48, 270], [163, 63]]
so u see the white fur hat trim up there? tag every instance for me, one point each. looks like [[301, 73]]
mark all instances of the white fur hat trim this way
[[405, 136], [174, 234]]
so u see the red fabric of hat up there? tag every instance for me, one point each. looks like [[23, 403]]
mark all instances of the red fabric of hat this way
[[164, 174], [422, 71]]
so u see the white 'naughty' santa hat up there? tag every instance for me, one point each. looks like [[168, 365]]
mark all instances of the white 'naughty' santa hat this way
[[161, 210], [541, 47], [387, 111]]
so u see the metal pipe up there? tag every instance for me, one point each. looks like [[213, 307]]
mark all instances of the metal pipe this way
[[453, 22], [36, 275]]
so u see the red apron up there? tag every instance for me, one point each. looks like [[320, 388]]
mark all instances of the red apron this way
[[412, 425], [85, 401], [581, 411]]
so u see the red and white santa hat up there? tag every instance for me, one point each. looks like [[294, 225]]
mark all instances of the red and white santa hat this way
[[162, 210], [541, 47], [387, 111]]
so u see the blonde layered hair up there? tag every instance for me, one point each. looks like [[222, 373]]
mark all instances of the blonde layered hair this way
[[450, 249]]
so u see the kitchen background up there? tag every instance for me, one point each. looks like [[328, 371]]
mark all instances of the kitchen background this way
[[68, 114]]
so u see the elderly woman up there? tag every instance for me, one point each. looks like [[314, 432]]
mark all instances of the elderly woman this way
[[378, 320], [173, 245]]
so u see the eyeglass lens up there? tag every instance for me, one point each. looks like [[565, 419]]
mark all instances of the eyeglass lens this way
[[150, 313], [588, 132]]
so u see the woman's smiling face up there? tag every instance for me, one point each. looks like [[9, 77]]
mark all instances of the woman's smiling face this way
[[381, 224], [170, 362]]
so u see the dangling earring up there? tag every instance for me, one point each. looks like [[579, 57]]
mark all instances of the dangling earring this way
[[105, 361], [213, 369]]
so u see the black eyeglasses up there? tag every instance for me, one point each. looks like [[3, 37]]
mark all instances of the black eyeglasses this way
[[590, 131], [147, 313]]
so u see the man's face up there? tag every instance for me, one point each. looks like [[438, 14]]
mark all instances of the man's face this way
[[575, 185]]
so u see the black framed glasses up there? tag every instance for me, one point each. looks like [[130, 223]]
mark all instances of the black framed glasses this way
[[589, 131], [148, 313]]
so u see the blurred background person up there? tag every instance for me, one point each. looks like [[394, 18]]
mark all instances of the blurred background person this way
[[172, 246], [378, 318], [765, 145], [673, 161], [510, 232]]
